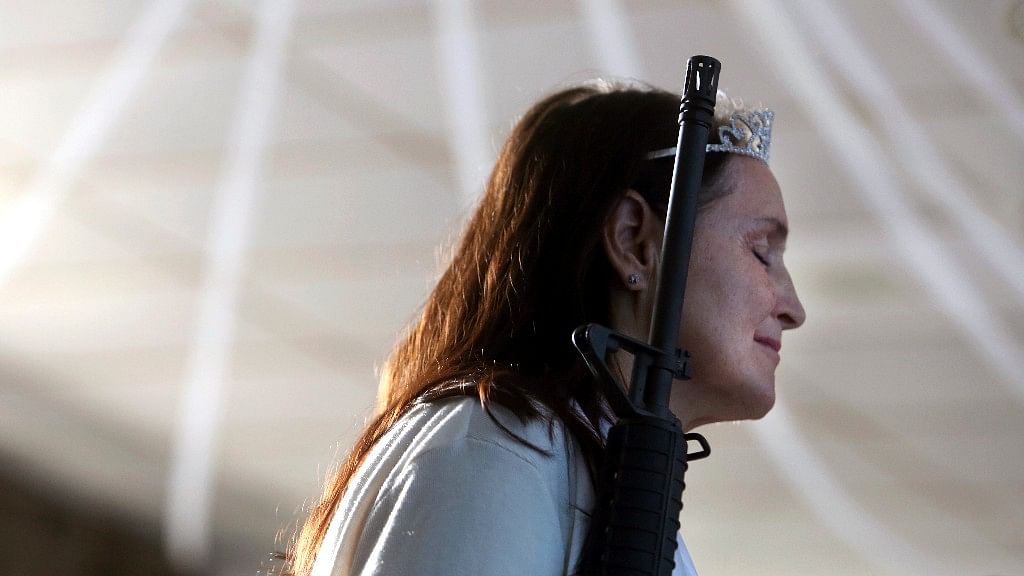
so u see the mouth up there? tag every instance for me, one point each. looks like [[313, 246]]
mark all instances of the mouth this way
[[772, 343]]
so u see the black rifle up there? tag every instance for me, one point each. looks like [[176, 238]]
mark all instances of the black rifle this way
[[640, 488]]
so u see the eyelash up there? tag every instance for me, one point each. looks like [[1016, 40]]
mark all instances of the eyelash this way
[[760, 258]]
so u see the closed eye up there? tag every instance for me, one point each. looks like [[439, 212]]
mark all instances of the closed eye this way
[[760, 258]]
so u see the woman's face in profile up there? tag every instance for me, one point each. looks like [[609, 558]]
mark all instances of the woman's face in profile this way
[[739, 300]]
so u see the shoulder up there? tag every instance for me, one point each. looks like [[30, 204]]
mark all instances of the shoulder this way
[[449, 470], [441, 431]]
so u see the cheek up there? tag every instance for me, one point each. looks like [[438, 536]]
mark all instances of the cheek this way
[[761, 296], [713, 305], [725, 304], [739, 294], [750, 289]]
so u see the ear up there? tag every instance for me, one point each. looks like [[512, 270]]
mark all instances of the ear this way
[[632, 240]]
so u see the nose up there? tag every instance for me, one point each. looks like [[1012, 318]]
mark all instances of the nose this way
[[788, 309]]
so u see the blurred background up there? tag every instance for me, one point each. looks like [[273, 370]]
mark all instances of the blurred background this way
[[217, 215]]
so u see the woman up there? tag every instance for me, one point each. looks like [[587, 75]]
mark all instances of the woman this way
[[480, 460]]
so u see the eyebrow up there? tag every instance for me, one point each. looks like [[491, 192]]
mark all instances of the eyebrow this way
[[778, 226]]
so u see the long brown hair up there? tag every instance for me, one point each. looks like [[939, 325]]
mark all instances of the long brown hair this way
[[528, 270]]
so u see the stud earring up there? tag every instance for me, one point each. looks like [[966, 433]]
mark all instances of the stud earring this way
[[633, 279]]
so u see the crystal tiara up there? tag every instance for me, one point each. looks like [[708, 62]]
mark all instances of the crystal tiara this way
[[747, 133]]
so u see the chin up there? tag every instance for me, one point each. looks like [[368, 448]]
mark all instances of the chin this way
[[760, 400], [752, 402], [731, 399], [762, 408], [751, 407]]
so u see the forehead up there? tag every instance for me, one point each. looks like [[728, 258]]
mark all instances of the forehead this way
[[754, 198]]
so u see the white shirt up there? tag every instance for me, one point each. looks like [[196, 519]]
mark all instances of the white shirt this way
[[448, 492]]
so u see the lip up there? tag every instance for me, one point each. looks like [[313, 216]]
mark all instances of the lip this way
[[772, 343]]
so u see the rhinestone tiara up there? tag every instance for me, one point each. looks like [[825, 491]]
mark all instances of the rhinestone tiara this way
[[747, 133]]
